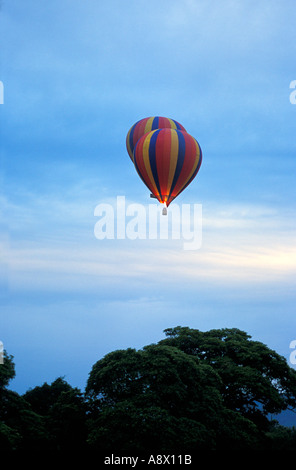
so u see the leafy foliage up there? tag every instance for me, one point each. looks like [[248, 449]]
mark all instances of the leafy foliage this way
[[256, 380], [192, 391]]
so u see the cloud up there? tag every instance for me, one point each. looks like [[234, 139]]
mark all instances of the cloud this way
[[241, 244]]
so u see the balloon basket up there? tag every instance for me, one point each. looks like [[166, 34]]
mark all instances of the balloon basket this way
[[165, 211]]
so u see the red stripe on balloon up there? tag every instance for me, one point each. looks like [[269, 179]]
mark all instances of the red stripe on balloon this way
[[162, 122], [140, 164], [139, 161], [163, 156], [139, 130]]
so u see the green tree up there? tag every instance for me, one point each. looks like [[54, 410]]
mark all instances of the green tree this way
[[20, 426], [8, 436], [192, 391], [63, 409], [7, 371], [160, 398], [42, 398], [280, 437], [256, 381]]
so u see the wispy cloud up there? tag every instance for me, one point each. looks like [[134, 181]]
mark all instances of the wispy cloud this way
[[241, 244]]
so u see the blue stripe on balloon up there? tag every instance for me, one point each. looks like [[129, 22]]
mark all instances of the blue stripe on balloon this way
[[178, 125], [131, 138], [155, 123], [152, 158]]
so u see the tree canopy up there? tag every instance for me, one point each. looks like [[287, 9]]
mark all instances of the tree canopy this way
[[191, 391], [256, 380]]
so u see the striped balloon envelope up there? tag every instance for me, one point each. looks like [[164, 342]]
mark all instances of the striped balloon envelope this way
[[167, 160], [146, 125]]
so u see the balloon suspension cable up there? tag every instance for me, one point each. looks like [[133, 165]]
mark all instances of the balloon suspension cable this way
[[165, 209]]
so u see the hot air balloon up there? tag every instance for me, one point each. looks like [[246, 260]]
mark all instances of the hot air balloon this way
[[146, 125], [167, 160]]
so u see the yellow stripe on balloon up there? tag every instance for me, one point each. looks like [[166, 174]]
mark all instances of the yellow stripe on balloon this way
[[148, 125], [172, 123], [146, 160]]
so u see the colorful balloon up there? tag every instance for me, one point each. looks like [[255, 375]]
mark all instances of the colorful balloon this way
[[167, 160], [146, 125]]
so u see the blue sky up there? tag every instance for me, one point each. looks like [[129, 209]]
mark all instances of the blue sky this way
[[77, 74]]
